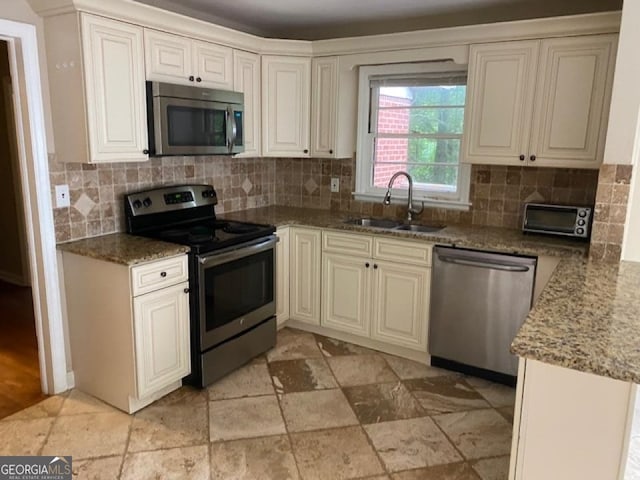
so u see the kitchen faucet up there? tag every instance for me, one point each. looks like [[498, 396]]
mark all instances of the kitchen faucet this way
[[410, 210]]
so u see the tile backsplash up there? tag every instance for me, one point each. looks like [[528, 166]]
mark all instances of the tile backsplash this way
[[498, 193], [97, 191]]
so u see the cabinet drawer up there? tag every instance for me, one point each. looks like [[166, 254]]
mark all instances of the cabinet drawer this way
[[152, 276], [348, 244], [401, 251]]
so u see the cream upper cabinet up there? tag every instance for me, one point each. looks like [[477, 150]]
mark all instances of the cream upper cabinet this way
[[324, 106], [246, 78], [286, 84], [282, 276], [96, 78], [539, 103], [304, 278], [176, 59]]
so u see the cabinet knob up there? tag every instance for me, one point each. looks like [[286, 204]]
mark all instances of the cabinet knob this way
[[163, 274], [522, 157], [186, 290], [375, 267], [198, 79], [145, 151], [532, 158], [191, 78], [366, 264], [306, 150], [331, 152]]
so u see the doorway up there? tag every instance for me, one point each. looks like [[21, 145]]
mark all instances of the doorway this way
[[20, 382]]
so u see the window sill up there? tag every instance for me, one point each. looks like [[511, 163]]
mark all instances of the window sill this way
[[417, 199]]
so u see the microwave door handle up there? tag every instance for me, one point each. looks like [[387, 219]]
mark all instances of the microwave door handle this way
[[231, 121]]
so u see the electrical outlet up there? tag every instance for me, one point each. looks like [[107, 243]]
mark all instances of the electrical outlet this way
[[335, 185], [62, 196]]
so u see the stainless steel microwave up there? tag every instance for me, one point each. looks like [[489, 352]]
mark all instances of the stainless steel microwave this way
[[565, 220], [184, 120]]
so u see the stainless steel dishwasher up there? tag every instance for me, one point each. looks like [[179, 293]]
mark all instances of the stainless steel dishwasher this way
[[479, 300]]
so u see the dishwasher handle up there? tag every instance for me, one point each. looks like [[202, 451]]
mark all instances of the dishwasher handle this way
[[508, 267]]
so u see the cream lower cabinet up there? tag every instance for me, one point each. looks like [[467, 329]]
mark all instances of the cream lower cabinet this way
[[304, 274], [376, 287], [282, 276], [128, 328]]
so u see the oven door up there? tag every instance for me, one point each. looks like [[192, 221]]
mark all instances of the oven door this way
[[196, 127], [236, 290]]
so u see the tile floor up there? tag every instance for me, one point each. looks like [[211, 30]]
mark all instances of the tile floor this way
[[311, 408]]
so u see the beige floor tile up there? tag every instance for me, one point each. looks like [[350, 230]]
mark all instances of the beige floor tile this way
[[478, 433], [107, 468], [253, 459], [445, 394], [497, 395], [406, 369], [78, 402], [507, 413], [177, 420], [23, 437], [383, 402], [245, 418], [46, 408], [301, 375], [316, 410], [409, 444], [332, 347], [335, 454], [248, 381], [188, 463], [361, 370], [492, 468], [89, 435], [452, 471], [294, 344]]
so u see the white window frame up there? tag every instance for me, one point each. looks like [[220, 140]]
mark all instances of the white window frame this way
[[365, 191]]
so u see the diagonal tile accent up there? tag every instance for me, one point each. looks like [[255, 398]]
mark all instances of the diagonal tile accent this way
[[361, 370], [445, 394], [301, 375], [316, 410], [383, 402]]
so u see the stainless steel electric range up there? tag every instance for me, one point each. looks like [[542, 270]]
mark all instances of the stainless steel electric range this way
[[231, 275]]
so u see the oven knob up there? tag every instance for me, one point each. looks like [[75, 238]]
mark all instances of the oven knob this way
[[580, 231], [582, 213], [147, 202], [581, 222], [137, 204]]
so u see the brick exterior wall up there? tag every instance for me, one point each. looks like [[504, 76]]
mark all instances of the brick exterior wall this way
[[391, 149]]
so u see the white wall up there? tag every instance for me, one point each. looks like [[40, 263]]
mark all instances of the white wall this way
[[20, 11], [623, 138]]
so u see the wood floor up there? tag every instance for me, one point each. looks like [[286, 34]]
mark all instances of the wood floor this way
[[19, 369]]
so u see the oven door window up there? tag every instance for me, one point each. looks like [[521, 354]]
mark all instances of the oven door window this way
[[237, 289], [196, 127]]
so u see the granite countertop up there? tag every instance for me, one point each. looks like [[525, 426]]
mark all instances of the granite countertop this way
[[487, 238], [123, 248], [587, 318]]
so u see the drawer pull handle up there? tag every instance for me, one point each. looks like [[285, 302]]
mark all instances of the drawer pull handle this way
[[366, 264], [186, 290], [375, 267], [163, 274]]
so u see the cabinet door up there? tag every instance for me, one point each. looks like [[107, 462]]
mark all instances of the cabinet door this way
[[286, 98], [213, 65], [305, 275], [346, 293], [571, 110], [113, 56], [500, 91], [282, 276], [161, 329], [401, 299], [246, 79], [168, 57], [323, 106]]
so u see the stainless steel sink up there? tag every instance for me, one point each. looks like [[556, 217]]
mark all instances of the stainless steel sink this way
[[373, 222], [420, 228]]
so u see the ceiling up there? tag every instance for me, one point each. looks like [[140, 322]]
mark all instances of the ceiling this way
[[315, 20]]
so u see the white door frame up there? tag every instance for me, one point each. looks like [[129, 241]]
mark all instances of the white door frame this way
[[36, 188]]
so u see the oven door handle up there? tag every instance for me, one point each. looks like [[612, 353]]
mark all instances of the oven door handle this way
[[232, 129], [220, 258]]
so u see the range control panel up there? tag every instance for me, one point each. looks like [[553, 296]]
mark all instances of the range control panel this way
[[166, 199]]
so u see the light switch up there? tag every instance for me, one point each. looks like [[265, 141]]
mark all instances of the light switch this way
[[335, 185], [62, 196]]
